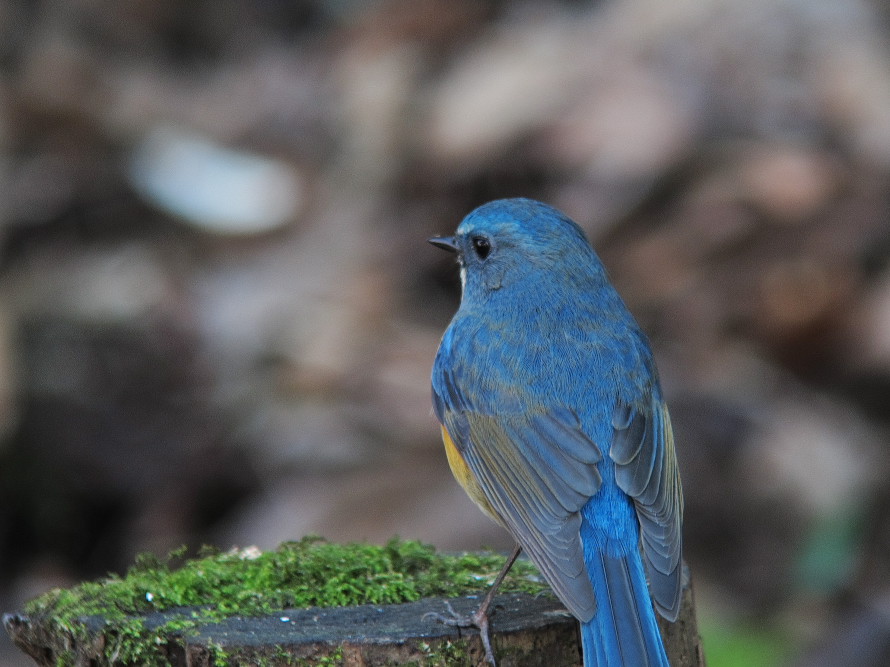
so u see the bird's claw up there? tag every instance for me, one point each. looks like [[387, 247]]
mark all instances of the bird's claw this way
[[478, 620], [451, 618]]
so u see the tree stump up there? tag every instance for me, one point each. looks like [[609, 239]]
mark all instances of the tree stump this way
[[526, 630]]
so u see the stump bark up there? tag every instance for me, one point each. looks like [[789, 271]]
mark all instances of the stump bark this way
[[526, 631]]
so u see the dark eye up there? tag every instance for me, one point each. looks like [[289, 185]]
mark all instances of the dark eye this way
[[482, 246]]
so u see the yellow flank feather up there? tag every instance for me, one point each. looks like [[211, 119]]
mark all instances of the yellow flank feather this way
[[464, 476]]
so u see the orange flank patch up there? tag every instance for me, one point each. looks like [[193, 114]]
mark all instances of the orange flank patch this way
[[465, 477]]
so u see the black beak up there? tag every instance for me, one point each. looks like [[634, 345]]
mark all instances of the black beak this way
[[444, 242]]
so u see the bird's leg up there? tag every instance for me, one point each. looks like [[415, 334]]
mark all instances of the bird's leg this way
[[479, 618]]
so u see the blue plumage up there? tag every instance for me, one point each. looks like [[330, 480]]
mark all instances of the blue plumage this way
[[555, 425]]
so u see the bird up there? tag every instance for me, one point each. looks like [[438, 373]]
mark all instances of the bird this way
[[554, 423]]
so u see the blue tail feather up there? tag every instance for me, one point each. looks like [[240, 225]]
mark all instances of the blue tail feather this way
[[623, 631]]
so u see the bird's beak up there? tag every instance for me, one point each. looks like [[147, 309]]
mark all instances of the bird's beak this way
[[444, 242]]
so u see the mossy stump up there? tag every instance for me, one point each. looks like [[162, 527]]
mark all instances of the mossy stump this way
[[528, 630], [123, 621]]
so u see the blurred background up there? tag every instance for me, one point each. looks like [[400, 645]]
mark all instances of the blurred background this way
[[218, 311]]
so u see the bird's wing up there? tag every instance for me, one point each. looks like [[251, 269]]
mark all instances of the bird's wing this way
[[646, 469], [536, 471]]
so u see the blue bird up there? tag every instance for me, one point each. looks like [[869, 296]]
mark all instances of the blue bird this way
[[554, 424]]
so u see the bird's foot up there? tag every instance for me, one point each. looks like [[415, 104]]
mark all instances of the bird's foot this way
[[478, 619]]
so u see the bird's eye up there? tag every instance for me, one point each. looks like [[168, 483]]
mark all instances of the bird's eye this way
[[482, 246]]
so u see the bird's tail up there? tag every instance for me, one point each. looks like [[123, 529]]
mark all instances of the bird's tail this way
[[623, 631]]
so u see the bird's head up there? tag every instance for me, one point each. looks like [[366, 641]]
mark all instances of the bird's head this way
[[512, 240]]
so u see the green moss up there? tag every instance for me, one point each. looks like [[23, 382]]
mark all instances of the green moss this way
[[447, 654], [213, 586], [333, 660]]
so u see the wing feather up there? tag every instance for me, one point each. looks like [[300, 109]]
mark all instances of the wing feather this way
[[646, 469], [537, 471]]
